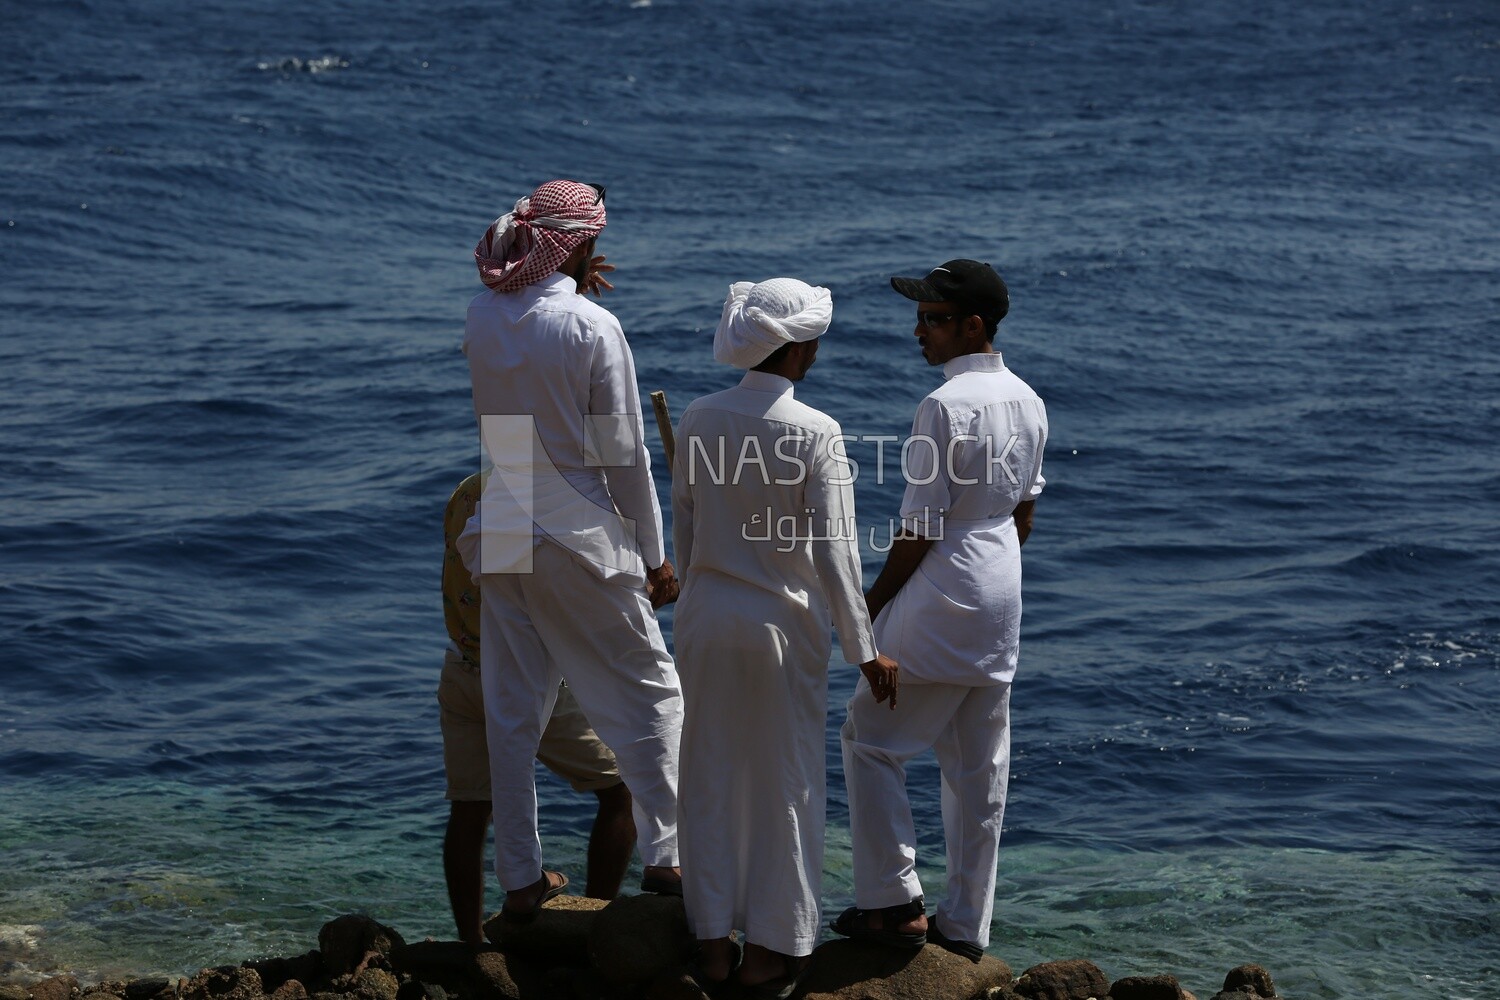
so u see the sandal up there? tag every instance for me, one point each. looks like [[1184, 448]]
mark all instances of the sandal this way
[[527, 916], [963, 949], [660, 886], [854, 923], [712, 987], [780, 988]]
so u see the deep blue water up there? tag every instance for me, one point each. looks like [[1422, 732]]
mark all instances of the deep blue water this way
[[1255, 274]]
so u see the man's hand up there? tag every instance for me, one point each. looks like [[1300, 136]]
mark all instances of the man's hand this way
[[1023, 515], [661, 585], [884, 677], [594, 282]]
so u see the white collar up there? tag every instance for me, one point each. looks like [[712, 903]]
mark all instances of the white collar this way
[[766, 382], [977, 362], [555, 282]]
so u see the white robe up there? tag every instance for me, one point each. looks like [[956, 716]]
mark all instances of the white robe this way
[[566, 528], [955, 625], [759, 595]]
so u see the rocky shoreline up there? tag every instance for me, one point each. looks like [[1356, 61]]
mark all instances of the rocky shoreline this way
[[631, 948]]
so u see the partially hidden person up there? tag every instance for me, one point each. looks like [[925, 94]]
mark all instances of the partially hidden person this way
[[569, 748]]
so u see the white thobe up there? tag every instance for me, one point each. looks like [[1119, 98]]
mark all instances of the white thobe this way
[[567, 523], [764, 534], [974, 455]]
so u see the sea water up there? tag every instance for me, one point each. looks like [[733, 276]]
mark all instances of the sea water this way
[[1253, 266]]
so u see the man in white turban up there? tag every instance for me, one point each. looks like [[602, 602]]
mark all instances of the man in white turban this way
[[764, 533], [567, 542]]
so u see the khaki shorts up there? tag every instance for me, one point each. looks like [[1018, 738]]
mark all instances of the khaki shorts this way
[[570, 748]]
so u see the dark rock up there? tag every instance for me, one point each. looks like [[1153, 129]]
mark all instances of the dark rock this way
[[558, 936], [292, 989], [304, 968], [349, 942], [674, 984], [106, 988], [570, 983], [415, 989], [1002, 993], [1249, 979], [147, 989], [1070, 979], [637, 938], [501, 977], [1146, 988], [856, 970], [14, 991], [492, 978], [56, 988], [447, 963], [227, 982], [366, 984], [375, 984]]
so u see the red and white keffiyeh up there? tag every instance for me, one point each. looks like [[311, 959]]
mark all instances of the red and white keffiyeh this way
[[528, 244]]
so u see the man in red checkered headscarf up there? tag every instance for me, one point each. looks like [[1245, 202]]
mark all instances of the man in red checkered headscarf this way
[[566, 544], [534, 239]]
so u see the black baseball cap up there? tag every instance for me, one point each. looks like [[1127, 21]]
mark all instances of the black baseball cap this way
[[966, 282]]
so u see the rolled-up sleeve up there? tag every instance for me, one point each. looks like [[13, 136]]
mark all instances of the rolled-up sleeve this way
[[924, 463]]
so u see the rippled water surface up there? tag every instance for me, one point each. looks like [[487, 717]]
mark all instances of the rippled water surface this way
[[1253, 262]]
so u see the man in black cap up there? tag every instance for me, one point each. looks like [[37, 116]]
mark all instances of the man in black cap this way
[[947, 607]]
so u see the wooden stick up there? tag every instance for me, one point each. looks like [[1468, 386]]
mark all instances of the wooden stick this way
[[664, 425]]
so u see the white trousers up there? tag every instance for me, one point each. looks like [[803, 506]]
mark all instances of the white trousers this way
[[561, 621], [755, 678], [969, 728]]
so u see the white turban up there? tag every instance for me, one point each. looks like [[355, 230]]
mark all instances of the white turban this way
[[759, 318]]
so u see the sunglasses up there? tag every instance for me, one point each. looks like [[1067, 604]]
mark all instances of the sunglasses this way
[[598, 192], [933, 320]]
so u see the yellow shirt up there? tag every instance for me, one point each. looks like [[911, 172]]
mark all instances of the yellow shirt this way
[[460, 595]]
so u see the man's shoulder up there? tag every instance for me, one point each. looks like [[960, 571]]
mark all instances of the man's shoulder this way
[[786, 411], [710, 401], [582, 307], [815, 420], [982, 388]]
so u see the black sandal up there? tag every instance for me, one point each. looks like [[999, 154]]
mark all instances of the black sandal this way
[[712, 987], [658, 885], [781, 988], [963, 949], [552, 892], [854, 923]]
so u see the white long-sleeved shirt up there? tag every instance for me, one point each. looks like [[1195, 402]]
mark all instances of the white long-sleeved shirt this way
[[560, 419], [761, 493]]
